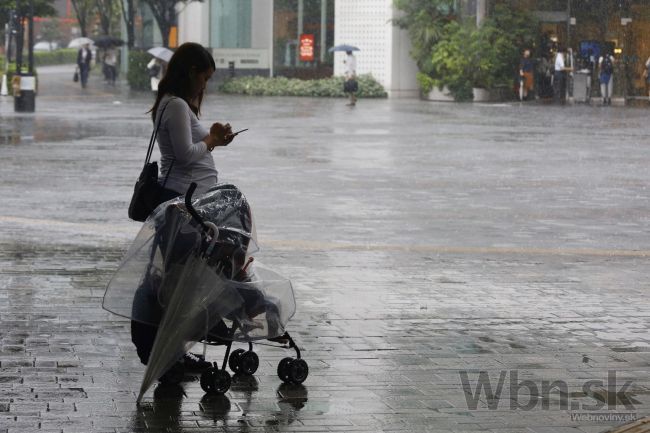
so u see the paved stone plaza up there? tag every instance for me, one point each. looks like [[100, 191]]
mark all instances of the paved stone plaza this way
[[433, 247]]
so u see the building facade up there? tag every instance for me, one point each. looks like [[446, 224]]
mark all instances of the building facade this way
[[263, 37]]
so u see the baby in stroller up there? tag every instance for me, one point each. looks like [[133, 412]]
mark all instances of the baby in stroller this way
[[240, 301]]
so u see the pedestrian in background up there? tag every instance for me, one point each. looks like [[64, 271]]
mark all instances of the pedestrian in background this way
[[155, 71], [84, 57], [110, 62], [545, 77], [350, 86], [526, 78], [606, 76], [559, 76]]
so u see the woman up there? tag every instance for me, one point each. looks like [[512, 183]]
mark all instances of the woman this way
[[186, 151], [185, 145], [84, 58], [155, 70]]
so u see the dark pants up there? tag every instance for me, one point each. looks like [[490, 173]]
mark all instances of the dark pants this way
[[83, 74], [142, 334], [559, 86], [111, 74]]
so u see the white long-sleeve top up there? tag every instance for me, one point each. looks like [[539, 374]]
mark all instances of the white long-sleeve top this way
[[180, 139], [559, 62], [350, 66]]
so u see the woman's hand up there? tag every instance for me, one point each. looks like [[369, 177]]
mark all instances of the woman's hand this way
[[220, 135]]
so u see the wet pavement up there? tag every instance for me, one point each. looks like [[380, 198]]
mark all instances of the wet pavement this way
[[439, 253]]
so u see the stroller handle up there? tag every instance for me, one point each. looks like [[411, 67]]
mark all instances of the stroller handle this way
[[190, 208]]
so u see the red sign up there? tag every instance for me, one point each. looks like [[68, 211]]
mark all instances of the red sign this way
[[306, 48]]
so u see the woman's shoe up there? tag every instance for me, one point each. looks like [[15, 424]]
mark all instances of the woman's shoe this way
[[195, 363]]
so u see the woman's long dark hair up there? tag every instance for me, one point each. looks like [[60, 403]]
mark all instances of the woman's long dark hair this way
[[179, 79]]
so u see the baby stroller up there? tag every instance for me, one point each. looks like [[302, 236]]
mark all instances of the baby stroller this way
[[190, 276]]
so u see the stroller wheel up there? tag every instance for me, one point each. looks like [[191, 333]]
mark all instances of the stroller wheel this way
[[283, 369], [248, 363], [298, 371], [234, 362], [215, 381]]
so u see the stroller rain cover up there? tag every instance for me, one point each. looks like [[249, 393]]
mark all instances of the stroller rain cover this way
[[195, 285]]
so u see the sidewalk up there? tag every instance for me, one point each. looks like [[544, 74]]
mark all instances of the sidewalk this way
[[432, 247]]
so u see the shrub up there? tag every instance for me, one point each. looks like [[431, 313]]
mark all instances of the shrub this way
[[138, 77], [56, 57], [483, 57], [281, 86], [62, 56]]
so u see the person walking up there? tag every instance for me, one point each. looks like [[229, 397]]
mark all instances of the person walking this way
[[110, 62], [526, 78], [186, 149], [350, 86], [155, 71], [84, 57], [606, 76]]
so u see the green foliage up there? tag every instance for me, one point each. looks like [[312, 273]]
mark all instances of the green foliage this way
[[281, 86], [57, 57], [51, 30], [42, 8], [138, 77], [425, 22], [452, 62], [466, 56]]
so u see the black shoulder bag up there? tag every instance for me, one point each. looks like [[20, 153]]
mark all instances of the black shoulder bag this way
[[148, 193]]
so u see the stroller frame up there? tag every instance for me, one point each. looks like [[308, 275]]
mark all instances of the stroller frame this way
[[245, 362]]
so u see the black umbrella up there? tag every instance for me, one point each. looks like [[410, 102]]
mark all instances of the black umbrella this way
[[106, 41]]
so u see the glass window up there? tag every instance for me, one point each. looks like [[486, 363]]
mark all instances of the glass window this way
[[317, 19], [230, 23]]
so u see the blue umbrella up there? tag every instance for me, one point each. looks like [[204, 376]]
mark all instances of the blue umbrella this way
[[344, 47]]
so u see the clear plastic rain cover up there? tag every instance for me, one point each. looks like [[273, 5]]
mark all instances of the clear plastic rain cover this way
[[196, 286]]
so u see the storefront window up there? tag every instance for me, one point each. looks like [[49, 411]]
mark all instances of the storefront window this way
[[230, 22], [291, 18]]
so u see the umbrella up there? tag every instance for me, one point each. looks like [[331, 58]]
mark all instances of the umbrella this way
[[191, 311], [78, 42], [191, 283], [106, 41], [162, 53], [343, 47]]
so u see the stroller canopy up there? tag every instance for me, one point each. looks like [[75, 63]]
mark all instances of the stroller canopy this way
[[172, 241]]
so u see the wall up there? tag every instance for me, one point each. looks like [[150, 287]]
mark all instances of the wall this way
[[194, 22], [384, 53]]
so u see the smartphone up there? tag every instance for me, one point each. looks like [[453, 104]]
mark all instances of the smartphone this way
[[241, 130]]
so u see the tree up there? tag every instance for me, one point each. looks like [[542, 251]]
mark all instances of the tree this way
[[42, 8], [107, 10], [164, 12], [128, 15], [51, 31], [467, 57], [20, 10], [83, 9]]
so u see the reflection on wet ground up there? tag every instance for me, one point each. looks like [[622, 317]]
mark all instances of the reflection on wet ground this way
[[242, 411], [422, 240], [22, 130]]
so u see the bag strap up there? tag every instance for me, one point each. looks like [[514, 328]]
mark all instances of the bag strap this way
[[153, 136]]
